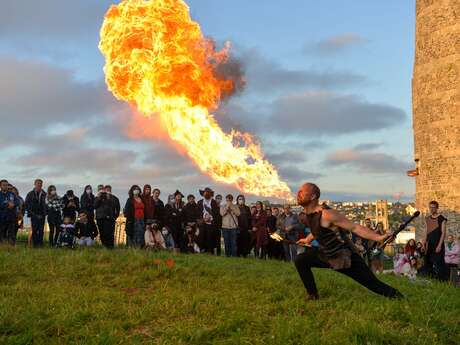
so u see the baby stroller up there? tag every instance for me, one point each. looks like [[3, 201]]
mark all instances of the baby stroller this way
[[66, 236]]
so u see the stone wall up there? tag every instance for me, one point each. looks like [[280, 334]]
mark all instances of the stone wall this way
[[436, 108]]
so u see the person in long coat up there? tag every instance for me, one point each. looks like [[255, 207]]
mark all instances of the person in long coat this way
[[245, 226], [174, 218], [259, 227]]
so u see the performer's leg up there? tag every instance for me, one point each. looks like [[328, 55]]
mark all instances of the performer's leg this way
[[361, 273], [304, 263]]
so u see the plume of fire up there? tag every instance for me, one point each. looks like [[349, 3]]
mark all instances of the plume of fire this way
[[158, 60]]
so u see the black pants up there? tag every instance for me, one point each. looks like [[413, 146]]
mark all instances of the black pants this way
[[54, 226], [38, 226], [435, 266], [8, 232], [107, 232], [358, 272]]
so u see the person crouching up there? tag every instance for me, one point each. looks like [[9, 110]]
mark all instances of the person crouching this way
[[189, 245], [67, 234], [85, 231], [153, 237]]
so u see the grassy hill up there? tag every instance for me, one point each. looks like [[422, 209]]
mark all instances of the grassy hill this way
[[125, 297]]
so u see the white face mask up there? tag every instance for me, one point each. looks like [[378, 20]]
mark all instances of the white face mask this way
[[89, 191], [136, 192], [53, 192]]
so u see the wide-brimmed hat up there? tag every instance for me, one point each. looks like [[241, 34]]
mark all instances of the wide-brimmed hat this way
[[178, 193], [207, 189]]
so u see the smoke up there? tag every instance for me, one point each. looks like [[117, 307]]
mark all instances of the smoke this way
[[231, 69]]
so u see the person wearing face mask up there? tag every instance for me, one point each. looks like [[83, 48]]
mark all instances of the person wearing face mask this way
[[134, 212], [244, 222], [87, 201], [54, 208]]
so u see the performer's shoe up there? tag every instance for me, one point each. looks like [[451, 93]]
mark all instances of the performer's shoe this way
[[311, 297]]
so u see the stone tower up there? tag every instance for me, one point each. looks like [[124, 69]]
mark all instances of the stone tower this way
[[381, 213], [436, 107]]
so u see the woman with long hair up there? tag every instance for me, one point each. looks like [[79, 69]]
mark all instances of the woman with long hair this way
[[134, 213], [54, 206], [259, 228]]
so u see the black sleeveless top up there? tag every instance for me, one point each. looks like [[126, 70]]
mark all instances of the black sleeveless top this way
[[434, 232], [333, 243]]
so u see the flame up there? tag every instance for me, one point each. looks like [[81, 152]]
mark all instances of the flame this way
[[158, 60]]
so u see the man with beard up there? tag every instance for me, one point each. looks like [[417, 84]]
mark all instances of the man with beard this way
[[210, 213], [336, 251]]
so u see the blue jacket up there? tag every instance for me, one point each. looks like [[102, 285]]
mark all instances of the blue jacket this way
[[6, 214]]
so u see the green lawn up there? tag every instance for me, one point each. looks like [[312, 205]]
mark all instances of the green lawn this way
[[53, 296]]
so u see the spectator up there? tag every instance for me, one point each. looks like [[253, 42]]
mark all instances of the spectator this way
[[19, 211], [134, 212], [85, 230], [210, 212], [71, 206], [66, 234], [274, 248], [8, 212], [435, 265], [420, 255], [218, 224], [410, 248], [169, 240], [54, 208], [159, 207], [452, 252], [290, 227], [259, 228], [359, 246], [174, 211], [107, 208], [153, 237], [243, 242], [87, 201], [189, 244], [192, 211], [207, 242], [230, 213], [376, 255], [149, 204], [399, 260], [35, 206]]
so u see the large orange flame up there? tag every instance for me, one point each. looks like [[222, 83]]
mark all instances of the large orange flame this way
[[158, 60]]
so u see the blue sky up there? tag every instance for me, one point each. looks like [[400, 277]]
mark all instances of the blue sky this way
[[328, 95]]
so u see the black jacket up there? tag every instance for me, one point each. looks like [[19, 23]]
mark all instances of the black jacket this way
[[159, 212], [107, 206], [215, 212], [35, 204], [86, 230], [244, 219], [71, 206], [87, 204], [192, 213], [174, 216]]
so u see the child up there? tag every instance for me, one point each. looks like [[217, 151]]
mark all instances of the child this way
[[410, 268], [168, 238], [67, 233], [153, 237], [399, 260], [86, 232]]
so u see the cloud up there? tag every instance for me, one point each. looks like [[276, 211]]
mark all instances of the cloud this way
[[47, 18], [265, 76], [367, 146], [367, 162], [333, 45], [34, 93], [326, 113]]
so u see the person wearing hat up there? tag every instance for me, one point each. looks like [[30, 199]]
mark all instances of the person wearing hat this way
[[174, 219], [209, 211]]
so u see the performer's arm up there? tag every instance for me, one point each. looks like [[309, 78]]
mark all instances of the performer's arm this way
[[332, 217], [306, 241], [443, 235]]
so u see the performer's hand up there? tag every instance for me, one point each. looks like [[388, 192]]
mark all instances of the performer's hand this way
[[438, 249], [304, 242]]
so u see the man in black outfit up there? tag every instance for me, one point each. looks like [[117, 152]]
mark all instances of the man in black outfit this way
[[336, 250], [35, 206], [107, 208]]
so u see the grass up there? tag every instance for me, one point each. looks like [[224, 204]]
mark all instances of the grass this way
[[122, 297]]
